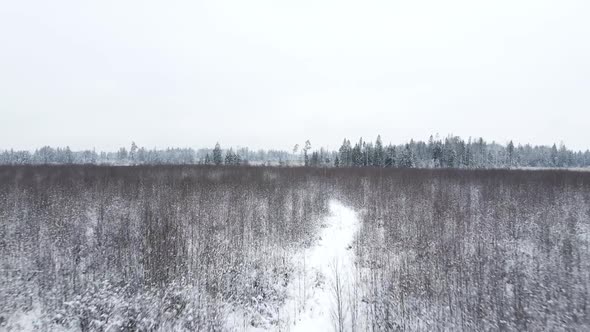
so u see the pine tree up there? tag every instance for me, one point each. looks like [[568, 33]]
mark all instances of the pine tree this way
[[563, 157], [237, 159], [217, 159], [68, 156], [437, 154], [305, 154], [407, 159], [510, 151], [122, 155], [390, 157], [133, 153], [357, 154], [378, 153], [554, 155], [315, 159], [468, 162], [230, 158], [345, 153]]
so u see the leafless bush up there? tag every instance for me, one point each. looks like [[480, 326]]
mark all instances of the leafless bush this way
[[223, 233], [437, 249]]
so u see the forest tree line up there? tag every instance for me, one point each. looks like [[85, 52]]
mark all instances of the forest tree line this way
[[450, 152]]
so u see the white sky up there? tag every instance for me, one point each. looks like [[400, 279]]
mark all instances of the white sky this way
[[269, 74]]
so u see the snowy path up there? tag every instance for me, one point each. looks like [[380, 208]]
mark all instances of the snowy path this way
[[311, 296], [313, 304]]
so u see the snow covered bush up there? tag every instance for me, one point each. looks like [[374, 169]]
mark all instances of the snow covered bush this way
[[183, 248], [91, 248]]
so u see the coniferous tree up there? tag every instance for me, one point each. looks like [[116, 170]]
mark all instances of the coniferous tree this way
[[68, 156], [563, 159], [230, 157], [217, 159], [510, 152], [437, 154], [390, 157], [407, 158], [357, 154], [367, 154], [470, 153], [345, 153], [133, 153], [305, 152], [554, 155], [315, 159], [378, 153], [453, 152], [122, 155]]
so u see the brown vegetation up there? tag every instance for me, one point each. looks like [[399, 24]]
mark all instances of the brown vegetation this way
[[156, 247]]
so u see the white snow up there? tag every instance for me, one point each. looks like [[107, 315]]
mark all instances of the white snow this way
[[311, 304], [312, 297], [23, 320]]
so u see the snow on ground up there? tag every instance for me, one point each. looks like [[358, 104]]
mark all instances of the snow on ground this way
[[311, 298], [330, 258], [23, 321]]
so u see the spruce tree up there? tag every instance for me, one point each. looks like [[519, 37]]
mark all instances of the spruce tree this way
[[510, 151], [345, 153], [230, 157], [407, 158], [378, 153], [553, 157], [390, 156], [357, 154], [217, 159]]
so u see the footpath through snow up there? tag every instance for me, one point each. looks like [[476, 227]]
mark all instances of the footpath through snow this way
[[326, 273], [322, 280]]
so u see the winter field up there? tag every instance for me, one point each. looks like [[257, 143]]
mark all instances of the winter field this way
[[205, 248]]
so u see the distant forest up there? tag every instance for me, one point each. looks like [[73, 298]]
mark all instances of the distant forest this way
[[450, 152]]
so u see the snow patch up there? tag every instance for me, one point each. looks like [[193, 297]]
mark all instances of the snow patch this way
[[329, 271], [325, 272], [322, 273], [23, 320]]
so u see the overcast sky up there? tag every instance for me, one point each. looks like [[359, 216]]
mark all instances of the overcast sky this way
[[270, 74]]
